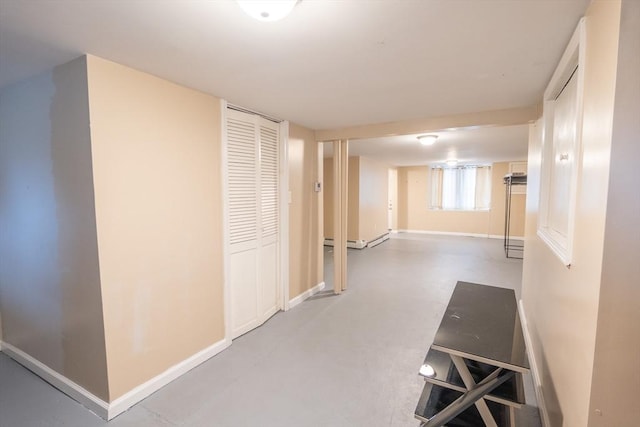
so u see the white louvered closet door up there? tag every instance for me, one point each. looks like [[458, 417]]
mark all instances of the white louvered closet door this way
[[253, 219]]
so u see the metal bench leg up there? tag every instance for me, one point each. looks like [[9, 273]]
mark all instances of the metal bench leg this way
[[470, 384]]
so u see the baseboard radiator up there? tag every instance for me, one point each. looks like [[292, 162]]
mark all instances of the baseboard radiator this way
[[361, 244], [378, 240]]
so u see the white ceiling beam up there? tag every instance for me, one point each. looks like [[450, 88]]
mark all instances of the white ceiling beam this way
[[513, 116]]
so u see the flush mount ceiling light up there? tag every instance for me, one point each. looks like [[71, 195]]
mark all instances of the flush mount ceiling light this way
[[427, 139], [451, 162], [267, 10]]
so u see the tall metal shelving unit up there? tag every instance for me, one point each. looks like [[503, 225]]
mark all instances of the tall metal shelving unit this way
[[512, 248]]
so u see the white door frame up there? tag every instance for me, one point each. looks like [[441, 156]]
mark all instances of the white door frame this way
[[283, 232], [392, 196], [226, 255], [284, 217]]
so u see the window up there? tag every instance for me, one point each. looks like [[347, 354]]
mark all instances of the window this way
[[461, 188], [561, 149]]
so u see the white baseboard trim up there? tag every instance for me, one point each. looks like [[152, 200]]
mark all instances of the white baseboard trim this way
[[454, 233], [535, 372], [444, 233], [62, 383], [101, 408], [144, 390], [501, 237], [353, 244], [306, 294]]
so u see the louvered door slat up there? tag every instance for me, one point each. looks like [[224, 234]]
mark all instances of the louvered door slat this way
[[243, 192]]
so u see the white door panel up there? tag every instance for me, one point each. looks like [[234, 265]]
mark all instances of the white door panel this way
[[244, 246], [253, 181], [243, 276], [269, 278]]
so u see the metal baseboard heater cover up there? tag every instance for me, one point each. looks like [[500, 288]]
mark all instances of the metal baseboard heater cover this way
[[361, 244]]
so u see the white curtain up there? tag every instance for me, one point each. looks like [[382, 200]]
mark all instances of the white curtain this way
[[436, 188], [483, 187], [461, 188]]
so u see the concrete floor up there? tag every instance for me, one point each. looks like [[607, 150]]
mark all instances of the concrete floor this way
[[349, 360]]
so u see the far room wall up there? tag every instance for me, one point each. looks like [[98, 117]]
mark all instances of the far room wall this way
[[414, 213]]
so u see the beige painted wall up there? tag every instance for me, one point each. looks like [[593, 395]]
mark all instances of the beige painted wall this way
[[414, 212], [353, 207], [353, 199], [368, 198], [616, 373], [49, 275], [373, 199], [327, 197], [561, 304], [305, 237], [156, 169]]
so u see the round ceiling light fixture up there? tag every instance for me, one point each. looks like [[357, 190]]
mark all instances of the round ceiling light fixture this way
[[267, 10], [427, 139]]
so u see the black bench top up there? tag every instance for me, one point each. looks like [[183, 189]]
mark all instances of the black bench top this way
[[482, 323]]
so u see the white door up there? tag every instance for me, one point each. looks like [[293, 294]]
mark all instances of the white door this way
[[393, 199], [253, 219]]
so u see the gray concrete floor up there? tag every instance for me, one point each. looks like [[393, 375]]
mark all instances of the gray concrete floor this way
[[349, 360]]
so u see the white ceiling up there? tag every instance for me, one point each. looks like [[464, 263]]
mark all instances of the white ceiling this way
[[468, 146], [330, 64]]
